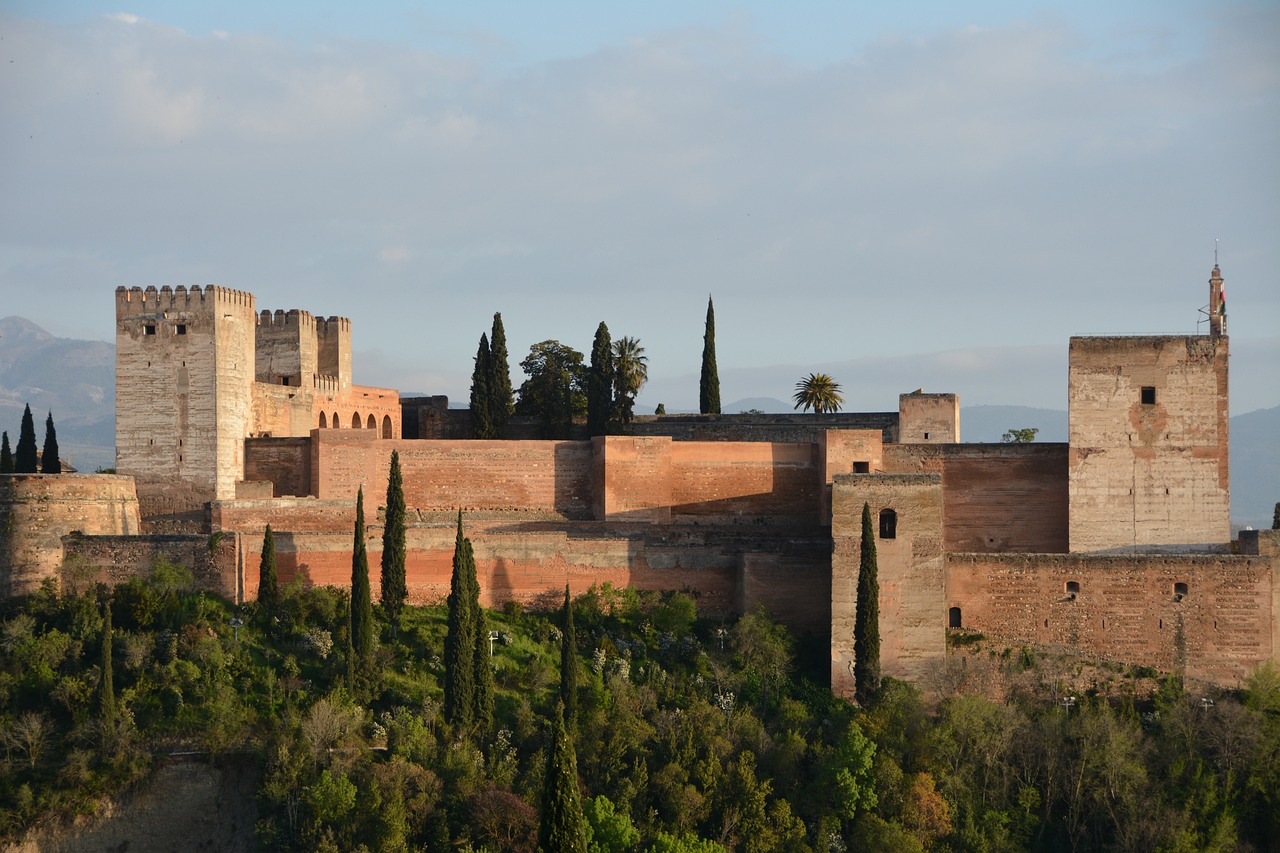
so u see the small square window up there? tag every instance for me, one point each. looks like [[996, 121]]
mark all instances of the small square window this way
[[926, 436], [149, 329], [1179, 590], [182, 328], [1073, 587], [862, 467], [1148, 395]]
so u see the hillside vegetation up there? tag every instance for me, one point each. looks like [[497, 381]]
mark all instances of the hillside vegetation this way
[[692, 734]]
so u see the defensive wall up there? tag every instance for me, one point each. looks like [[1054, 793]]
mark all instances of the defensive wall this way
[[114, 559]]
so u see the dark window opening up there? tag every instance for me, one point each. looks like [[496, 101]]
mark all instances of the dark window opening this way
[[888, 524], [324, 421], [284, 380], [149, 329], [1148, 395], [182, 328], [862, 467], [1046, 623], [953, 618], [926, 436], [1073, 587], [386, 426], [1179, 591]]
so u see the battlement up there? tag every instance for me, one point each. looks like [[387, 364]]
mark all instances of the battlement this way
[[294, 318], [332, 325], [139, 301]]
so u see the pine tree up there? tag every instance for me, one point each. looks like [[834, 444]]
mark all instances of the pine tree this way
[[268, 583], [1275, 516], [25, 458], [106, 689], [6, 455], [482, 698], [569, 666], [394, 586], [459, 641], [866, 624], [562, 828], [709, 385], [361, 601], [481, 419], [600, 383], [49, 461], [501, 400]]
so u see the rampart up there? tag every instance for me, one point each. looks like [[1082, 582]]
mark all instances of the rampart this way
[[38, 510], [212, 561]]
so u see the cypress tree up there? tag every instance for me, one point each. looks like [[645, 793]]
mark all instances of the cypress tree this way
[[49, 461], [866, 624], [1275, 516], [25, 458], [709, 384], [268, 584], [569, 666], [482, 698], [562, 828], [481, 418], [106, 689], [394, 587], [459, 641], [361, 601], [501, 400], [600, 383], [6, 455]]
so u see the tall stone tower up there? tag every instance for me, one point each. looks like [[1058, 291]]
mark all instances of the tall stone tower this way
[[1149, 439], [185, 364]]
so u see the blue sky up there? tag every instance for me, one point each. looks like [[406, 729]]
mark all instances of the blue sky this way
[[904, 195]]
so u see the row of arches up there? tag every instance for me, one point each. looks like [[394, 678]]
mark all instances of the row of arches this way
[[332, 422]]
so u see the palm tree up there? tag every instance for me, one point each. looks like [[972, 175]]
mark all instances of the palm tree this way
[[630, 372], [818, 391]]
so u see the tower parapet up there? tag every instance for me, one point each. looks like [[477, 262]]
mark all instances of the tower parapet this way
[[333, 346], [286, 347]]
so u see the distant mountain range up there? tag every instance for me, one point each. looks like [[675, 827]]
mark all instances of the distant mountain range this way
[[76, 381]]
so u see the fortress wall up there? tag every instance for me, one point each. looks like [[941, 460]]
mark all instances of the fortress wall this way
[[281, 411], [997, 498], [286, 347], [928, 418], [729, 481], [116, 559], [37, 510], [785, 428], [1125, 609], [635, 474], [286, 462]]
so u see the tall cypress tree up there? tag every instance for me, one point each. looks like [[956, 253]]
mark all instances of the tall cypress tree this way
[[25, 458], [49, 461], [569, 666], [481, 419], [600, 383], [361, 600], [562, 828], [394, 587], [459, 641], [106, 688], [6, 455], [501, 400], [482, 698], [866, 624], [709, 384], [268, 583]]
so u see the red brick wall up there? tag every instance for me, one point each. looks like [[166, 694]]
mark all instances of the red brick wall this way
[[636, 473], [286, 462], [1125, 609], [744, 481]]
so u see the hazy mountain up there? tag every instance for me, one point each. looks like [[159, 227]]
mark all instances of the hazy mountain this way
[[770, 405], [1255, 467], [73, 379]]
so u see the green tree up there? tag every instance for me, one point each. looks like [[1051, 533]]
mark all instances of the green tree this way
[[482, 683], [268, 582], [569, 665], [818, 391], [361, 598], [1275, 516], [608, 830], [555, 390], [481, 420], [1020, 436], [6, 459], [500, 402], [709, 383], [459, 640], [106, 689], [631, 372], [563, 828], [600, 383], [866, 624], [394, 586], [49, 461], [25, 458]]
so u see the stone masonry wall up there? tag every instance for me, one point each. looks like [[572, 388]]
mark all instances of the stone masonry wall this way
[[116, 559], [37, 510], [1126, 608], [928, 418], [286, 462]]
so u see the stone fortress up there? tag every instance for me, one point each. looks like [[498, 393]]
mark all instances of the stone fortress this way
[[1116, 544]]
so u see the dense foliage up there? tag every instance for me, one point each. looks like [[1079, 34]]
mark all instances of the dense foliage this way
[[866, 622], [394, 586], [600, 383], [6, 459], [50, 462], [709, 380], [481, 398], [693, 734], [25, 458]]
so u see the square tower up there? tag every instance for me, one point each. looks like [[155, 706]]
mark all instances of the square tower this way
[[185, 365], [1148, 422], [928, 418]]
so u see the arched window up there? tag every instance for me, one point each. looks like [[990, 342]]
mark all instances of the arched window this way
[[324, 420], [888, 524], [355, 421], [953, 618], [334, 420], [386, 426], [373, 423]]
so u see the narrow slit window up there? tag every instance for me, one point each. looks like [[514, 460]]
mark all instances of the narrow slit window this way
[[1148, 395]]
